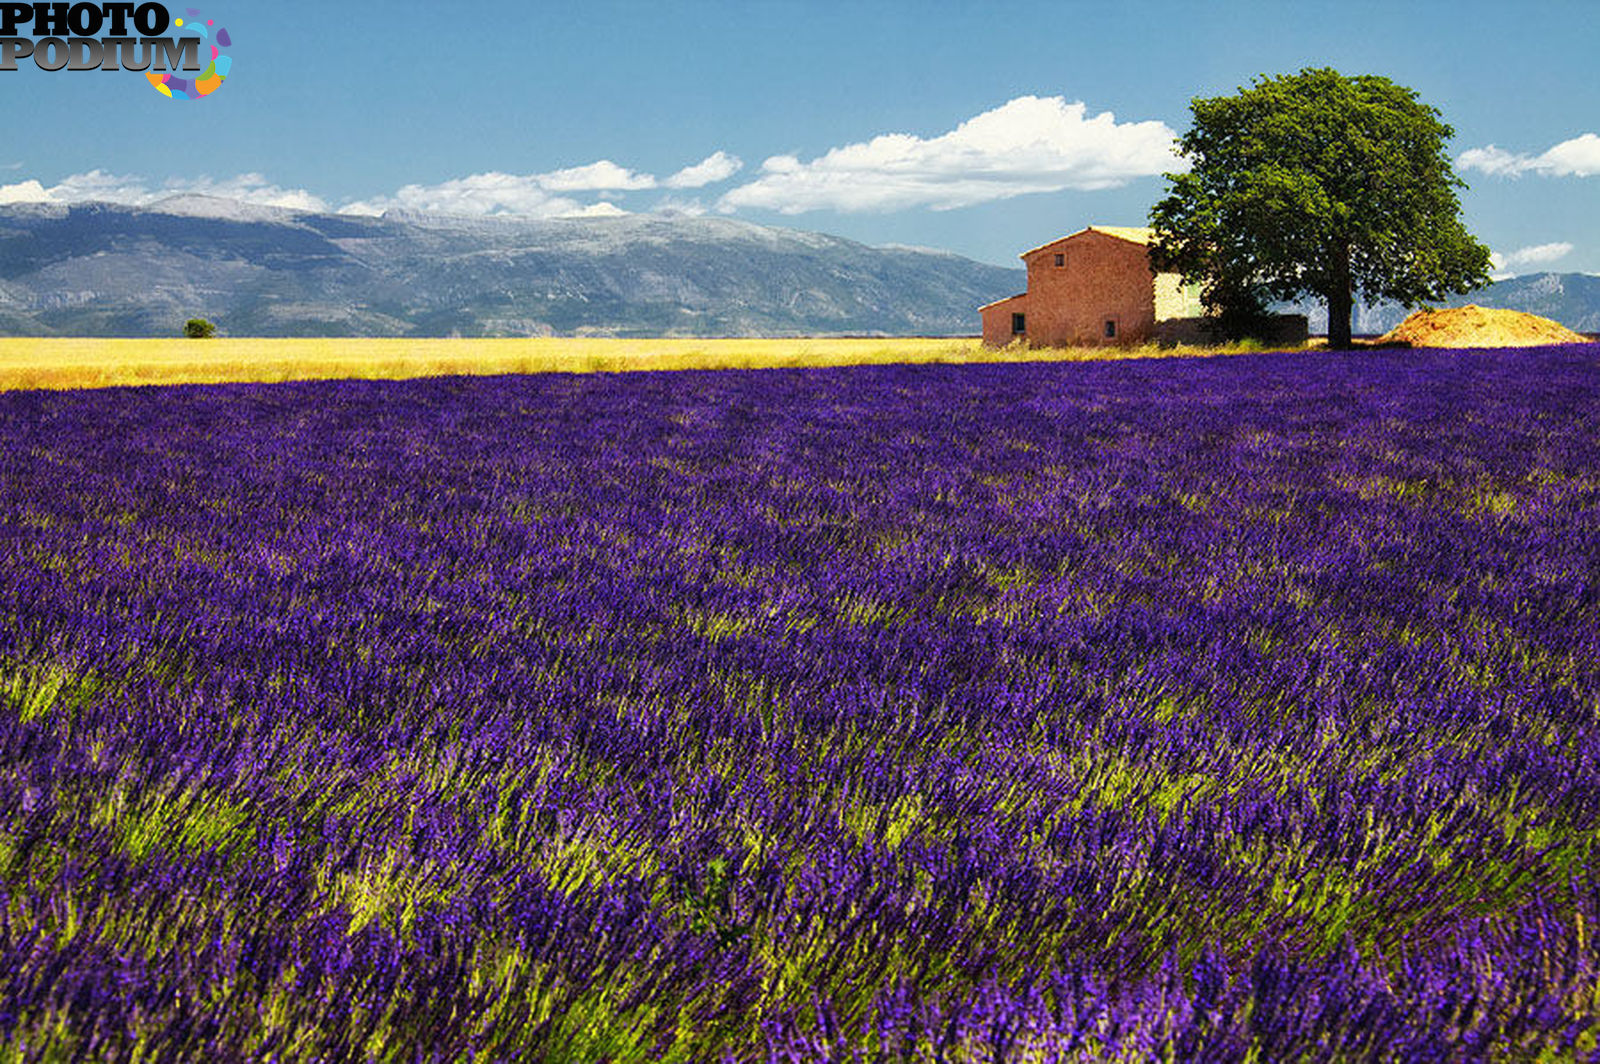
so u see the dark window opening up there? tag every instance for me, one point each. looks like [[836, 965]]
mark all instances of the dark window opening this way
[[1061, 260], [1111, 330], [1019, 323]]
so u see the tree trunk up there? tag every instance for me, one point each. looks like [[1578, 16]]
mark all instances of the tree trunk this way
[[1340, 302]]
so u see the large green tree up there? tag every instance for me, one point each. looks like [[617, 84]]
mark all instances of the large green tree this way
[[1322, 185]]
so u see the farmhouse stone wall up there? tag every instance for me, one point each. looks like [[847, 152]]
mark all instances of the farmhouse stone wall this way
[[1174, 299], [1100, 279], [1288, 330], [997, 320]]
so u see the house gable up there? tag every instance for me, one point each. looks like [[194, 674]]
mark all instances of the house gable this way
[[1130, 234], [1090, 287]]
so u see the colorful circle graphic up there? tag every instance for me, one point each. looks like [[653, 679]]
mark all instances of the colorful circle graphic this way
[[216, 71]]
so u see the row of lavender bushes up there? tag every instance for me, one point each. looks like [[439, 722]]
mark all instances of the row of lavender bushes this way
[[1208, 710]]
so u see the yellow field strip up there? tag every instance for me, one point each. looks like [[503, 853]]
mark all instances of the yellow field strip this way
[[99, 363]]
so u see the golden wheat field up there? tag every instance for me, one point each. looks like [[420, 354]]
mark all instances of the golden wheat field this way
[[94, 363]]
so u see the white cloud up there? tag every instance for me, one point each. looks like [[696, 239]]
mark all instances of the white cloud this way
[[522, 195], [247, 188], [1493, 160], [1031, 144], [604, 174], [99, 186], [1507, 264], [1538, 254], [487, 193], [364, 208], [718, 166], [29, 191], [688, 208], [1578, 157], [598, 210]]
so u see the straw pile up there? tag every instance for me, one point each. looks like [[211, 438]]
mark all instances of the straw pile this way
[[1474, 326]]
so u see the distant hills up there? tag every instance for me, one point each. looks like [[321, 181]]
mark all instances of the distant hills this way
[[1573, 299], [110, 270]]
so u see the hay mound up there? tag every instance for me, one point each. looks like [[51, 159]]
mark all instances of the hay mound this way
[[1474, 326]]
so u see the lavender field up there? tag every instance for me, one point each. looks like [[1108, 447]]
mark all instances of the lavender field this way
[[1221, 709]]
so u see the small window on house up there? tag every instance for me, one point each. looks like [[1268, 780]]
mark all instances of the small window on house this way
[[1019, 323], [1111, 329], [1061, 259]]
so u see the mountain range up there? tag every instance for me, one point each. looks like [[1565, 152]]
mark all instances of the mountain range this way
[[103, 269], [1573, 299], [111, 270]]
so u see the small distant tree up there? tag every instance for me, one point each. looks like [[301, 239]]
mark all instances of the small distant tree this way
[[1316, 184], [199, 329]]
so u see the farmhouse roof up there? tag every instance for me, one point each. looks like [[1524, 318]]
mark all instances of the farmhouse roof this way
[[1132, 234], [1007, 299]]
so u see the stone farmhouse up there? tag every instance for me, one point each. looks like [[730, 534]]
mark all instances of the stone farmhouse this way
[[1096, 286]]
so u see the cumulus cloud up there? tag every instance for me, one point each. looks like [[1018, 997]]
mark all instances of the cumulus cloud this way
[[1578, 157], [525, 195], [486, 193], [29, 191], [1496, 161], [602, 209], [718, 166], [604, 174], [522, 195], [1031, 144], [1506, 265], [363, 208], [99, 186], [250, 188]]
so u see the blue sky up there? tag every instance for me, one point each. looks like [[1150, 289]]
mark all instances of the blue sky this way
[[982, 128]]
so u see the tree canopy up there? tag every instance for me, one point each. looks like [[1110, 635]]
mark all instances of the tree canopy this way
[[1322, 185]]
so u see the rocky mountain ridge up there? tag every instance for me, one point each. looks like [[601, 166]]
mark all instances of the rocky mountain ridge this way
[[111, 270]]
